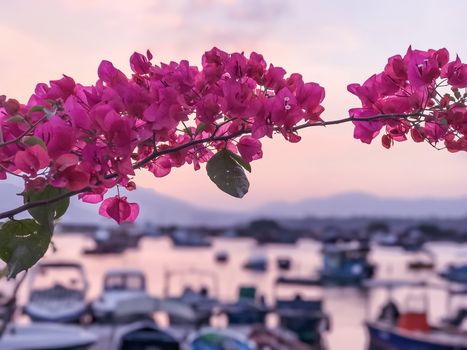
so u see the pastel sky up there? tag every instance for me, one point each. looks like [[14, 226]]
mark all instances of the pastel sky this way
[[330, 42]]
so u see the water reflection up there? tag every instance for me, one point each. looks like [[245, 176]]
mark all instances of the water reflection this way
[[348, 307]]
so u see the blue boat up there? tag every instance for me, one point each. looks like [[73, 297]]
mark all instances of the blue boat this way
[[346, 263], [410, 330], [386, 337], [455, 273]]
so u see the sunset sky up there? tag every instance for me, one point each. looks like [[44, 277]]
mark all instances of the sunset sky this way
[[333, 43]]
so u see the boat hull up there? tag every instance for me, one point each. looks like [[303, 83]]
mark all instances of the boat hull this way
[[382, 338]]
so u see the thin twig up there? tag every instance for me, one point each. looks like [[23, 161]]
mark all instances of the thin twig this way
[[155, 154]]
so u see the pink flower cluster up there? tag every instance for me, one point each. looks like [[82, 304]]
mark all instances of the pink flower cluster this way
[[92, 137], [421, 91]]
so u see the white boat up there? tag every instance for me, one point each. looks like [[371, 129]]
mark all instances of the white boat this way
[[121, 286], [44, 336], [57, 292]]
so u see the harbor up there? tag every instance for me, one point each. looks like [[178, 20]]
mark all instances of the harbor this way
[[183, 291]]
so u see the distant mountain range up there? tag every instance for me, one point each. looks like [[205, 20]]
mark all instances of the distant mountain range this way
[[163, 210]]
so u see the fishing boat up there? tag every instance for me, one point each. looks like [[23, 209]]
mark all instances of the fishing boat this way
[[143, 335], [346, 263], [423, 260], [249, 308], [114, 241], [219, 339], [45, 336], [409, 329], [455, 273], [302, 313], [57, 292], [258, 263], [189, 239], [283, 263], [197, 301], [121, 285], [221, 256]]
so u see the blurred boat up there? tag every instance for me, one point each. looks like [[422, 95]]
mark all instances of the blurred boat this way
[[221, 256], [277, 339], [304, 316], [249, 309], [424, 260], [44, 336], [114, 241], [219, 339], [194, 306], [57, 292], [120, 285], [283, 263], [143, 335], [189, 238], [409, 329], [346, 263], [455, 273], [257, 263]]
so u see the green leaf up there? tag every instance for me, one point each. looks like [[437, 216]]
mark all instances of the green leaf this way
[[16, 119], [22, 244], [46, 214], [36, 109], [241, 161], [33, 140], [225, 171], [201, 126]]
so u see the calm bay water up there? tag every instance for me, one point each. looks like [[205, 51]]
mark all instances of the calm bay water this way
[[347, 307]]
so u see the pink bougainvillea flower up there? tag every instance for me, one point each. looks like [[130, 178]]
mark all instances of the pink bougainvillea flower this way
[[161, 166], [32, 159], [456, 73], [250, 148], [139, 63], [119, 209], [70, 174]]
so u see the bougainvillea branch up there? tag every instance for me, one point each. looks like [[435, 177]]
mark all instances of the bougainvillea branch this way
[[70, 139]]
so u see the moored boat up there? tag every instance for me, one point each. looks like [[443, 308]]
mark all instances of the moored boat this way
[[143, 335], [249, 309], [258, 263], [120, 285], [193, 306], [219, 339], [57, 292], [410, 329], [44, 336]]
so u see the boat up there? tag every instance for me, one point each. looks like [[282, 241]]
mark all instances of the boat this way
[[283, 263], [258, 263], [121, 285], [249, 308], [424, 260], [409, 329], [455, 273], [304, 316], [194, 306], [36, 336], [45, 336], [277, 339], [114, 241], [57, 292], [346, 263], [219, 339], [143, 335], [189, 238], [221, 256]]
